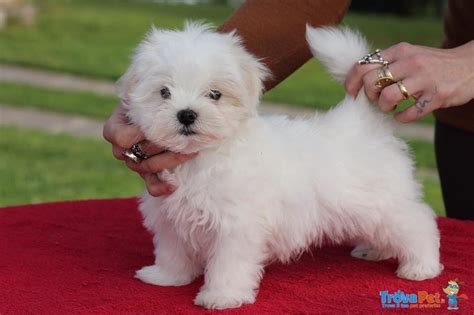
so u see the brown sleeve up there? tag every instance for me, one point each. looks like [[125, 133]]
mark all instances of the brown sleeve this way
[[459, 29], [274, 30]]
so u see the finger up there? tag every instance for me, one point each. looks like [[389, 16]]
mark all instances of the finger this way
[[408, 115], [422, 106], [119, 132], [160, 162], [155, 187], [397, 71], [398, 51], [354, 79], [150, 148], [166, 160], [118, 152], [115, 119], [123, 136], [371, 91], [392, 95], [147, 147]]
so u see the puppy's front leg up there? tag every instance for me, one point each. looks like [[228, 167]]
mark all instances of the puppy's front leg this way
[[172, 265], [233, 272]]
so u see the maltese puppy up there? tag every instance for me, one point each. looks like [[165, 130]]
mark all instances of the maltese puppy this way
[[267, 188]]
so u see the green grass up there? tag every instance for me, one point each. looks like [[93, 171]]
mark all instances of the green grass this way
[[432, 193], [423, 152], [71, 102], [40, 167], [385, 30], [96, 38], [98, 106]]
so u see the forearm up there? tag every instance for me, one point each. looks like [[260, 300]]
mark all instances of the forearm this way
[[275, 30]]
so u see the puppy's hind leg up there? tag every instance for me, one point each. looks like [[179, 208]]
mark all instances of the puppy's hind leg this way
[[416, 243], [172, 265]]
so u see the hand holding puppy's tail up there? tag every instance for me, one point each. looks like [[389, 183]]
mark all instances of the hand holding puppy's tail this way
[[338, 48]]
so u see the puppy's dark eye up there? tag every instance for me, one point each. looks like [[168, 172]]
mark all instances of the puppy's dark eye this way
[[215, 95], [165, 93]]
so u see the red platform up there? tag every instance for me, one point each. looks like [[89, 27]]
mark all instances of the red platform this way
[[80, 257]]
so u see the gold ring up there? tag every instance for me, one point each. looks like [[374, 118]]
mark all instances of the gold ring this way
[[384, 77], [403, 90]]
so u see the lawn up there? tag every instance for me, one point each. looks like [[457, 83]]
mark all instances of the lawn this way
[[70, 102], [76, 102], [40, 167], [96, 38]]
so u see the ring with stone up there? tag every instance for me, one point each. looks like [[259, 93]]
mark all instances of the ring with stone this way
[[135, 153], [373, 57]]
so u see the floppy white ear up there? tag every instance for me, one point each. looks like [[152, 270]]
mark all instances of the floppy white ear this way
[[253, 70], [254, 73]]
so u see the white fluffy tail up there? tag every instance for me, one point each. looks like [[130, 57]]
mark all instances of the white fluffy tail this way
[[338, 48]]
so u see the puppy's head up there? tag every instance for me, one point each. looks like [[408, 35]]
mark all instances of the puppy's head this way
[[192, 89]]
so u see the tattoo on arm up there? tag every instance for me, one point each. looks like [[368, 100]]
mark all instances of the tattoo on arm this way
[[421, 103]]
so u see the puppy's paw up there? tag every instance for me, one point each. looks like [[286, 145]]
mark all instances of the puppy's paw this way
[[419, 271], [155, 275], [222, 299], [367, 253]]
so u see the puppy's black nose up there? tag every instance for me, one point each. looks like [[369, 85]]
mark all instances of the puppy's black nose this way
[[187, 116]]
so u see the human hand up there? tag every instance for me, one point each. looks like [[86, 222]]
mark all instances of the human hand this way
[[122, 135], [436, 78]]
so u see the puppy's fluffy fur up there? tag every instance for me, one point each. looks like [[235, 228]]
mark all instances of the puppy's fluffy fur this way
[[267, 188]]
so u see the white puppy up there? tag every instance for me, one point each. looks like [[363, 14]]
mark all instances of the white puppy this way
[[265, 189]]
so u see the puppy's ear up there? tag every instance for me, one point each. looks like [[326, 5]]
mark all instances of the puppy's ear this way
[[254, 73], [253, 70], [126, 83]]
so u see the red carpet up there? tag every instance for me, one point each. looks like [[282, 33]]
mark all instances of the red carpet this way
[[80, 257]]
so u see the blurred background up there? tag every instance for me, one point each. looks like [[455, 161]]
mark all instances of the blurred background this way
[[59, 59]]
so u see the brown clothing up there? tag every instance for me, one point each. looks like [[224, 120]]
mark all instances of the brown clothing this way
[[459, 29], [274, 30]]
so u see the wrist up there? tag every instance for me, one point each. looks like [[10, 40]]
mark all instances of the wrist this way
[[467, 53], [465, 57], [470, 63]]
